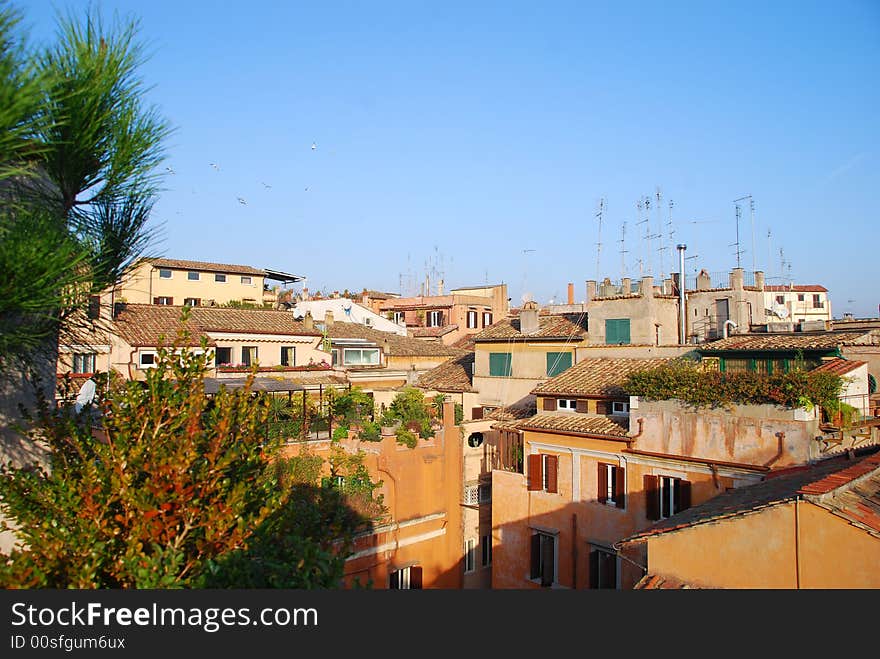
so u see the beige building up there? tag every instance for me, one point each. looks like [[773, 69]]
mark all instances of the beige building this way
[[798, 304]]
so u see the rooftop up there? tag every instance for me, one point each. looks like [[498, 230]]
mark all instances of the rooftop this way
[[205, 266], [840, 366], [394, 345], [452, 376], [822, 340], [563, 326], [580, 424], [595, 377]]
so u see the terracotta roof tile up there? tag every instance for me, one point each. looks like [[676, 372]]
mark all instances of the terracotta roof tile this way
[[659, 582], [794, 288], [146, 324], [822, 477], [789, 341], [453, 375], [562, 326], [596, 377], [839, 366], [207, 267], [581, 424], [422, 332]]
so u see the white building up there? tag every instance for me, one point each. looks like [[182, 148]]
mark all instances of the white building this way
[[348, 311]]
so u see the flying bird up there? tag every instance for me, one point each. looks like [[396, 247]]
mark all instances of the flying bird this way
[[314, 146], [267, 186], [169, 170], [215, 166], [242, 201]]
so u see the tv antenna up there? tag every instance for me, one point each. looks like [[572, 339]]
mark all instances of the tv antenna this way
[[644, 202], [599, 215], [623, 250], [738, 212]]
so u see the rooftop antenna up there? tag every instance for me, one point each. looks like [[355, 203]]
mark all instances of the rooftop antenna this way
[[738, 251], [659, 234], [623, 250], [752, 213], [648, 235], [669, 224], [599, 215], [639, 206]]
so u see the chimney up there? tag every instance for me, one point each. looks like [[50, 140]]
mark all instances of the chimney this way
[[704, 281], [305, 293], [737, 278], [308, 321], [328, 318], [759, 280], [591, 290], [647, 287], [626, 285], [440, 287], [528, 318], [570, 293]]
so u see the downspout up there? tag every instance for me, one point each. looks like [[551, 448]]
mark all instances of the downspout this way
[[797, 544], [726, 323], [574, 551], [682, 333], [641, 422]]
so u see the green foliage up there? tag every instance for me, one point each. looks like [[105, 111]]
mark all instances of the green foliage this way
[[406, 437], [459, 414], [172, 490], [690, 383], [352, 407], [370, 432], [413, 414], [340, 432]]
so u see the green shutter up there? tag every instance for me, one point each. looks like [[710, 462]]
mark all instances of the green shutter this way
[[499, 364], [617, 331], [557, 362]]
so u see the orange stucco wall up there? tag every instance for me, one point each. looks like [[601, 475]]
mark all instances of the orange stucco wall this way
[[763, 550]]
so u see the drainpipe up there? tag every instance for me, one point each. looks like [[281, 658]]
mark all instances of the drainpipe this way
[[726, 323], [682, 334], [797, 544]]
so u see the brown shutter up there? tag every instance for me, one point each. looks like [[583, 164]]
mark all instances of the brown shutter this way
[[415, 577], [620, 487], [535, 476], [552, 468], [603, 482], [549, 404], [594, 568], [582, 406], [94, 307], [601, 407], [684, 496], [477, 413], [536, 556], [652, 497], [155, 300]]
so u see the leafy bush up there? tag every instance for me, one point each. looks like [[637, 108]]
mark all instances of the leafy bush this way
[[371, 432], [406, 437]]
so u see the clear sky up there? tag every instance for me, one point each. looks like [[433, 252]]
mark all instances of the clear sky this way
[[475, 140]]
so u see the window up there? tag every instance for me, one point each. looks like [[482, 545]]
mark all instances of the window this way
[[407, 578], [557, 362], [566, 404], [486, 546], [543, 555], [485, 493], [84, 362], [192, 276], [666, 495], [191, 301], [223, 356], [360, 356], [800, 297], [335, 356], [780, 299], [470, 555], [163, 300], [542, 472], [435, 319], [147, 360], [94, 311], [618, 407], [220, 279], [499, 364], [288, 355], [471, 495], [400, 317], [487, 318], [817, 302], [247, 281], [471, 319], [249, 355], [612, 485], [164, 274], [603, 568], [616, 331]]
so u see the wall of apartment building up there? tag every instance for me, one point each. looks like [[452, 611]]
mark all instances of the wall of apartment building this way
[[144, 285], [784, 546], [652, 316], [591, 351], [745, 307], [422, 489], [800, 305], [746, 434], [866, 353]]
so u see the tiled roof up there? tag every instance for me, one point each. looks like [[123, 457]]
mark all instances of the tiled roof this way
[[817, 479], [144, 324], [451, 376], [422, 332], [661, 582], [563, 326], [393, 344], [859, 503], [596, 377], [207, 267], [839, 366], [789, 341], [809, 288], [513, 412], [577, 423]]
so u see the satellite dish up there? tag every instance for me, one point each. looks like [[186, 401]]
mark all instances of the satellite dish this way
[[781, 310], [86, 395]]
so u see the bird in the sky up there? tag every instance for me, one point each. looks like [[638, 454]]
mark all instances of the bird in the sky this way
[[267, 186], [242, 201], [169, 170], [215, 166], [314, 146]]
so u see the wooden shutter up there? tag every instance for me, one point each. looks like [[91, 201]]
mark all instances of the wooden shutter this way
[[682, 495], [552, 468], [549, 404], [535, 475], [548, 543], [620, 487], [594, 568], [536, 556], [155, 300], [477, 413], [603, 482], [582, 406], [602, 406], [652, 497], [94, 307], [415, 577]]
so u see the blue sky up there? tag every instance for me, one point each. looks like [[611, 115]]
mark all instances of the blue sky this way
[[475, 140]]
